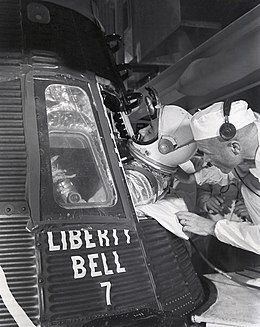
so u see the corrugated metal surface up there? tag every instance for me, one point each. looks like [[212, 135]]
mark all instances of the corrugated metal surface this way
[[177, 284], [84, 298], [17, 251], [12, 143], [46, 58], [17, 258]]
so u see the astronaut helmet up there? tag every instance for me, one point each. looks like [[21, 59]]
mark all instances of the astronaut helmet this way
[[167, 142]]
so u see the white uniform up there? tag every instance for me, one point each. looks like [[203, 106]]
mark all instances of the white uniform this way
[[245, 235]]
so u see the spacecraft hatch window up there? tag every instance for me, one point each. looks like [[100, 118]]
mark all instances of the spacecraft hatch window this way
[[80, 171]]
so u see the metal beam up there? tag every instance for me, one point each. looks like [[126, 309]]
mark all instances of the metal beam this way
[[234, 53], [201, 24]]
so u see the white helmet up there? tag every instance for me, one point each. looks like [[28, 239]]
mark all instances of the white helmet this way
[[173, 145]]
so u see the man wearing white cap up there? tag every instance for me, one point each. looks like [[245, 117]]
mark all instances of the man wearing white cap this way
[[229, 138]]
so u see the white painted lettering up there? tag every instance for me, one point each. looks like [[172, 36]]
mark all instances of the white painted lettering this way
[[75, 240], [119, 269], [102, 235], [128, 238], [52, 247], [78, 266], [106, 270], [115, 237], [63, 240], [107, 285], [93, 265], [89, 237]]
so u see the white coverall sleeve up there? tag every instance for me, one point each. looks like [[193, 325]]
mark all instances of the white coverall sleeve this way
[[212, 175], [243, 235]]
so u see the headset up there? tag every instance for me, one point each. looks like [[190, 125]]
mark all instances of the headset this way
[[227, 130]]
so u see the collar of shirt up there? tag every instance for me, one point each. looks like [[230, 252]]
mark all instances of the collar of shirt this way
[[256, 171]]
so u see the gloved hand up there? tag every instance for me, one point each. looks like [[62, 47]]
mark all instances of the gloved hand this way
[[153, 94], [152, 102]]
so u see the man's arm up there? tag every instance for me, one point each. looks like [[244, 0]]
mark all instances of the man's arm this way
[[206, 175], [243, 235], [212, 175]]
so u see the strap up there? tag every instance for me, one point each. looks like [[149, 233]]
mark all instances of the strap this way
[[226, 109]]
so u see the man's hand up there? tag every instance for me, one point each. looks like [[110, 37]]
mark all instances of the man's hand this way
[[183, 177], [195, 224], [241, 210], [214, 204]]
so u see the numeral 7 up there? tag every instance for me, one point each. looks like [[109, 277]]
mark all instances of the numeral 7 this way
[[108, 291]]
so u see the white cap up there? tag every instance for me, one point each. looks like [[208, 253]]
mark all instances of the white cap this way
[[205, 124]]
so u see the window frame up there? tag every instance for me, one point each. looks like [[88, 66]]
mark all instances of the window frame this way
[[123, 210]]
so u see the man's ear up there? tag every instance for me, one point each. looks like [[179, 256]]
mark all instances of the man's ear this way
[[235, 147]]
